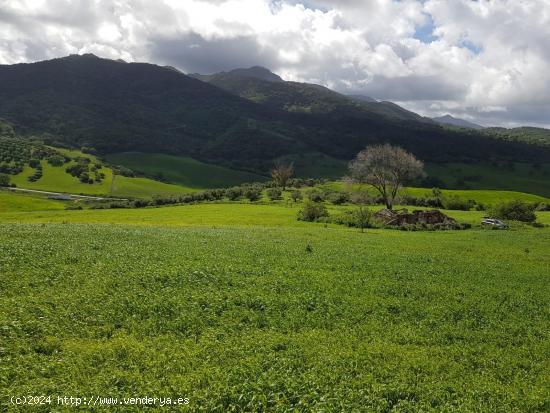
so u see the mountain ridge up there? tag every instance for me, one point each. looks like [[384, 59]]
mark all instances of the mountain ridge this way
[[114, 107], [452, 121]]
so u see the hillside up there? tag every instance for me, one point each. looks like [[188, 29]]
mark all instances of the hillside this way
[[530, 135], [33, 165], [260, 85], [112, 106], [182, 170], [452, 121]]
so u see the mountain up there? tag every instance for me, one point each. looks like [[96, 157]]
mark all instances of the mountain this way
[[461, 123], [262, 86], [232, 120], [114, 106], [362, 98], [254, 72], [257, 72]]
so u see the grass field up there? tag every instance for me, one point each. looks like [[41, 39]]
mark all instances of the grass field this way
[[515, 177], [479, 195], [240, 307], [123, 186], [376, 321], [183, 170], [56, 179], [10, 202]]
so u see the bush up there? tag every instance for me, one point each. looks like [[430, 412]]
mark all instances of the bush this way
[[4, 180], [312, 211], [543, 207], [296, 195], [315, 195], [85, 178], [456, 203], [362, 198], [338, 198], [252, 194], [480, 207], [234, 194], [274, 193], [515, 211], [33, 163], [140, 203], [56, 160], [123, 171], [214, 194], [359, 218]]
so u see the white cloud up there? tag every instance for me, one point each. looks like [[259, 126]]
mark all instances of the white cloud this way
[[482, 54]]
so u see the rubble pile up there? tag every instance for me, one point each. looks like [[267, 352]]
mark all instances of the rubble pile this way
[[417, 217]]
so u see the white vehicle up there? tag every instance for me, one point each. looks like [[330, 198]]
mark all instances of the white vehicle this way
[[494, 222]]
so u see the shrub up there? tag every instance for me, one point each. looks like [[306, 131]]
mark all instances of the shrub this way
[[315, 195], [56, 160], [274, 193], [543, 207], [359, 218], [312, 211], [252, 194], [33, 163], [88, 149], [215, 194], [296, 195], [4, 180], [456, 203], [234, 194], [480, 207], [362, 198], [338, 198], [123, 171], [515, 211], [140, 203], [85, 178]]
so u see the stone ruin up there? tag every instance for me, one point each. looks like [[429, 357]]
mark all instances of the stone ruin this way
[[402, 217]]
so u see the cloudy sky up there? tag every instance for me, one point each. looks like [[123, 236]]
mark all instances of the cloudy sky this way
[[483, 60]]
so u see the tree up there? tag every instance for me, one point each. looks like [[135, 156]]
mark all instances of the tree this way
[[281, 173], [296, 195], [4, 180], [386, 168], [273, 193], [252, 194], [515, 210]]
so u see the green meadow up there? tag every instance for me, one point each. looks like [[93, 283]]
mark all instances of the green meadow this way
[[484, 196], [520, 177], [240, 307], [182, 170], [56, 179]]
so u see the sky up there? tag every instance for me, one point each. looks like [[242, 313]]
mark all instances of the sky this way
[[486, 61]]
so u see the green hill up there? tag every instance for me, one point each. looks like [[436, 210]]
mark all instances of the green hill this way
[[32, 165], [86, 101], [530, 135], [531, 178], [182, 170]]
